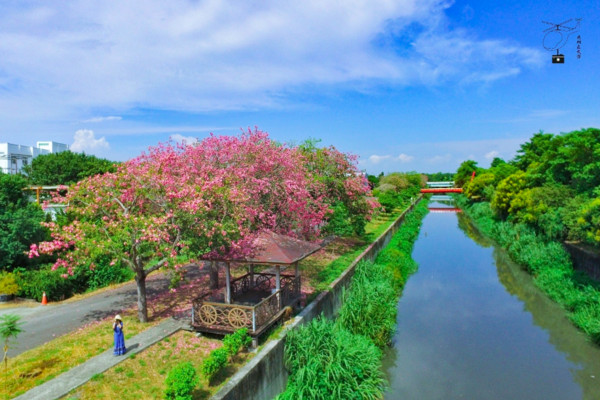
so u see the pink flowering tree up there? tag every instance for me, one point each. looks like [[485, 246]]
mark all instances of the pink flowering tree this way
[[335, 178], [205, 200], [268, 181]]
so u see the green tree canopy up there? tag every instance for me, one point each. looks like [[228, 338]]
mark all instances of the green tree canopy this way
[[19, 222], [65, 168], [506, 191], [464, 172], [533, 150], [440, 176], [11, 192], [552, 185]]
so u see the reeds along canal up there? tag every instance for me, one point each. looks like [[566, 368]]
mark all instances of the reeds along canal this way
[[471, 325]]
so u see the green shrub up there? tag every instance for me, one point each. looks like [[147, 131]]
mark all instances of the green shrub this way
[[506, 191], [181, 381], [476, 190], [338, 223], [329, 362], [389, 200], [8, 284], [234, 342], [590, 221], [571, 217], [216, 361], [105, 274], [33, 283]]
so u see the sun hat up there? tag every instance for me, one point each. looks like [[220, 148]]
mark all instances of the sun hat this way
[[118, 317]]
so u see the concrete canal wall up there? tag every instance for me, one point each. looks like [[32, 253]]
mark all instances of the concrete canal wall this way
[[584, 259], [265, 376]]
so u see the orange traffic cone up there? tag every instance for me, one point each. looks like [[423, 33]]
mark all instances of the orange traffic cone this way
[[44, 299]]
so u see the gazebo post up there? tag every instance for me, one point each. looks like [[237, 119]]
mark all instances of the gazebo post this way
[[278, 284], [296, 272], [228, 283], [251, 275], [214, 274]]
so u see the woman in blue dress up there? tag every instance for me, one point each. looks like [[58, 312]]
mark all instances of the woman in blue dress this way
[[119, 337]]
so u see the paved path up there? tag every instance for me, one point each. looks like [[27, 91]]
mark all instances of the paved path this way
[[77, 376], [44, 323]]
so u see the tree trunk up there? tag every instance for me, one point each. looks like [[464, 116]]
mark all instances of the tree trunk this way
[[140, 279], [214, 275]]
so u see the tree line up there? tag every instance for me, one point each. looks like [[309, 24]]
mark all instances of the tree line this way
[[552, 185]]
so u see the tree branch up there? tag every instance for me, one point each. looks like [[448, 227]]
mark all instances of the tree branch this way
[[155, 266]]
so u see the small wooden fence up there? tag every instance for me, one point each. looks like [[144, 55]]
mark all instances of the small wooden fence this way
[[220, 317]]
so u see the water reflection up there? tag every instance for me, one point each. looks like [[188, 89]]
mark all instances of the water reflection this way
[[471, 325]]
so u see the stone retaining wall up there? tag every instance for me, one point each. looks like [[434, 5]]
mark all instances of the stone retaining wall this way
[[265, 376]]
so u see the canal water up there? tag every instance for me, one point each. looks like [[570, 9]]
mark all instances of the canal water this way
[[472, 325]]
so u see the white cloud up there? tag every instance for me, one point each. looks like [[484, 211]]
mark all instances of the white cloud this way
[[223, 55], [184, 139], [375, 159], [404, 158], [104, 119], [491, 155], [85, 141]]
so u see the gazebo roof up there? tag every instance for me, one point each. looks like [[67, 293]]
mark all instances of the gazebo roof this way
[[280, 249], [276, 249]]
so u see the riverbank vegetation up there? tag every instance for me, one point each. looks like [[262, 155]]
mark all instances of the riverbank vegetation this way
[[549, 193], [341, 359]]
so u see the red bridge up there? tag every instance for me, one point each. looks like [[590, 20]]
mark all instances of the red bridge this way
[[441, 187]]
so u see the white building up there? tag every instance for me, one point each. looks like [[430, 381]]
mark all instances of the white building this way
[[13, 157], [52, 147]]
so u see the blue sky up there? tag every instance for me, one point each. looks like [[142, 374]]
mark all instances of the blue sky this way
[[405, 84]]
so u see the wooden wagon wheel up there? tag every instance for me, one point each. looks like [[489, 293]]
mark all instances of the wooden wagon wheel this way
[[238, 318], [208, 314]]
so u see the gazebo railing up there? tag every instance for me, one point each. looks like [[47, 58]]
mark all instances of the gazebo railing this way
[[260, 281], [265, 310], [290, 290], [225, 317], [257, 281]]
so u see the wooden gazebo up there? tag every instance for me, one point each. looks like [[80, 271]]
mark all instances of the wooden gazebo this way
[[254, 300]]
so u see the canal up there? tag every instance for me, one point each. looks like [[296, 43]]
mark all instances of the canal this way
[[472, 325]]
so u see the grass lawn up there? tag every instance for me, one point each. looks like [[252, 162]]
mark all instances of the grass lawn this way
[[51, 359], [45, 362], [326, 265], [143, 376]]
